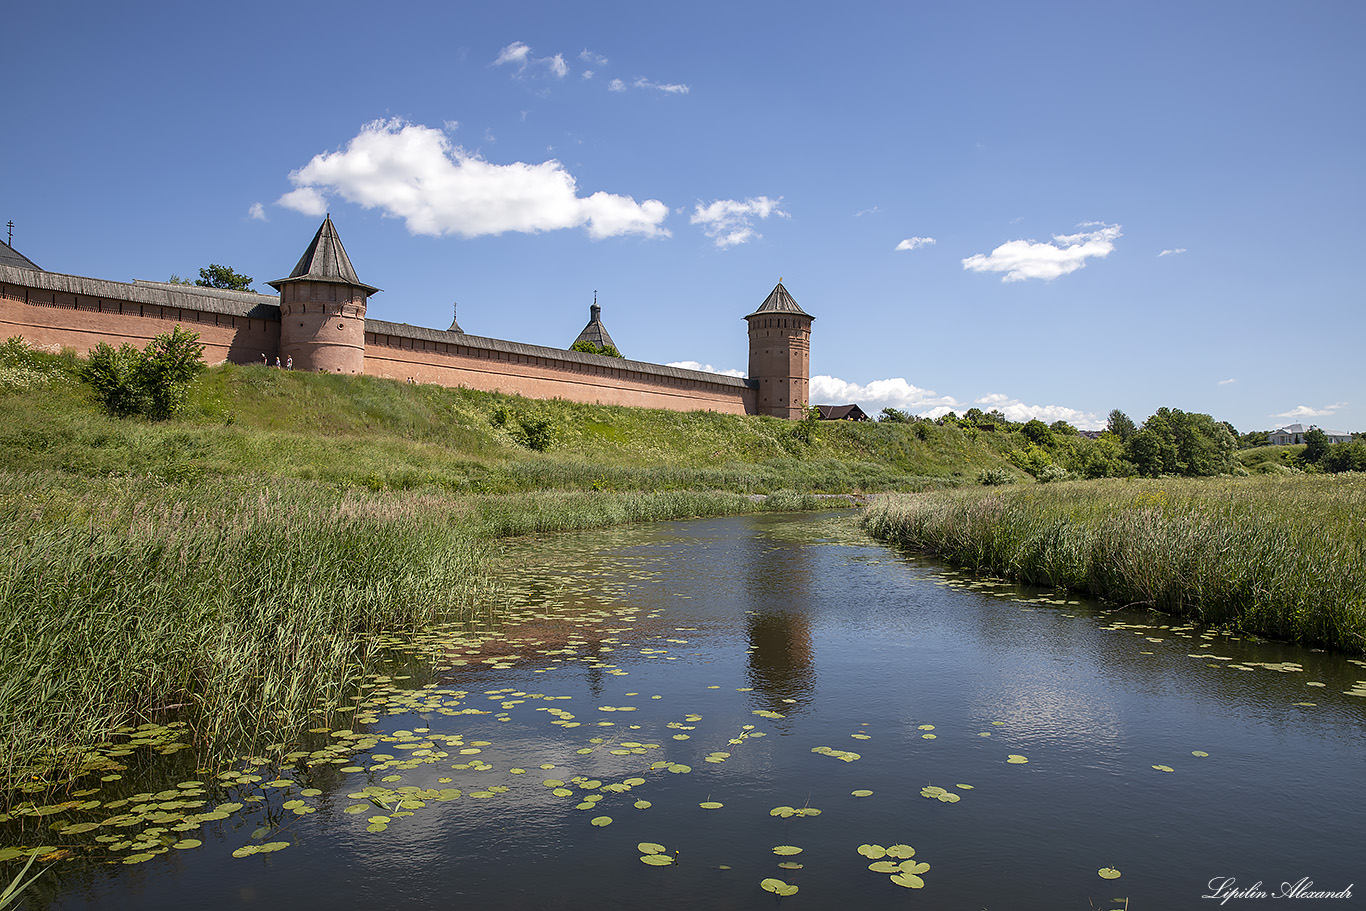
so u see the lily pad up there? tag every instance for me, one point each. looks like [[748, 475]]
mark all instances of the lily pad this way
[[657, 860], [778, 887], [872, 852], [901, 851], [909, 880], [711, 805], [649, 847], [787, 850], [1016, 759], [862, 792], [601, 821], [1108, 873]]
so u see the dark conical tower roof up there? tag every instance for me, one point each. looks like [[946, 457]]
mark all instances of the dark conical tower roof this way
[[779, 301], [595, 332], [325, 260]]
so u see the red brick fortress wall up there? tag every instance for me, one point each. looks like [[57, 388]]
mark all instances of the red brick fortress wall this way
[[51, 310], [403, 352]]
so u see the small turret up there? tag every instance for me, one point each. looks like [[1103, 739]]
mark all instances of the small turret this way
[[780, 355], [595, 333], [322, 308]]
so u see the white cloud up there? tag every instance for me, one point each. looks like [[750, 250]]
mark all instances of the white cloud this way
[[1227, 382], [640, 82], [1018, 411], [1172, 251], [416, 173], [257, 212], [706, 368], [519, 55], [879, 394], [1304, 411], [912, 243], [587, 74], [589, 57], [1025, 259], [672, 88], [305, 199], [864, 212], [731, 221]]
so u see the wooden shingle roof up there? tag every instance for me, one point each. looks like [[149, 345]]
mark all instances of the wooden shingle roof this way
[[595, 332], [12, 257], [325, 260], [779, 301]]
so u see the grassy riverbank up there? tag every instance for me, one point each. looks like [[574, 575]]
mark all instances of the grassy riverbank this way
[[1277, 556], [238, 606], [189, 569]]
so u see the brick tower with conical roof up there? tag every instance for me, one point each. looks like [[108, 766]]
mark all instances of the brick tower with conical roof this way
[[322, 308], [780, 355]]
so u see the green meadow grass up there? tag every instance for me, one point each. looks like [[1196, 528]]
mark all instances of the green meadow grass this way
[[1277, 556]]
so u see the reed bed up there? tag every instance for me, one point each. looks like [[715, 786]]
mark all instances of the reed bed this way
[[238, 606], [1280, 557]]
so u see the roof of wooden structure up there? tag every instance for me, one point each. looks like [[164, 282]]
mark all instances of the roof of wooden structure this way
[[325, 260], [779, 301], [841, 413], [595, 332], [12, 257]]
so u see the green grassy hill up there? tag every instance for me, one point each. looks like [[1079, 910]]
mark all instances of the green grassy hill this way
[[383, 434]]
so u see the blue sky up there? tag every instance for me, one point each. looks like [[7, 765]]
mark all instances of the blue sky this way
[[1051, 209]]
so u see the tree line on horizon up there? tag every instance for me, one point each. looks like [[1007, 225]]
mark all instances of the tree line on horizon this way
[[1169, 442]]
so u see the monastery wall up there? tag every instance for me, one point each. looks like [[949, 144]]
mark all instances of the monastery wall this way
[[400, 351], [52, 310]]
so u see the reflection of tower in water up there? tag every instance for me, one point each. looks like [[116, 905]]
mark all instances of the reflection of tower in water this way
[[782, 666]]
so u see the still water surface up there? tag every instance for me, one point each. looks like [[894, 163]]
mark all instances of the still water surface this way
[[666, 643]]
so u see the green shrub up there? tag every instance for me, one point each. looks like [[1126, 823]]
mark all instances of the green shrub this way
[[154, 381]]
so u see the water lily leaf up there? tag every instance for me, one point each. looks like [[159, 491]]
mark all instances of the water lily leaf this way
[[711, 805], [782, 812], [778, 887], [791, 865], [910, 866], [872, 852], [909, 880], [862, 792], [657, 860], [602, 821], [1016, 759], [643, 805], [187, 843], [649, 847], [884, 866], [787, 850], [1108, 873], [1199, 753], [901, 851], [1164, 768]]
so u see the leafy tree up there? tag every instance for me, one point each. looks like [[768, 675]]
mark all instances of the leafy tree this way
[[216, 276], [1121, 425], [1315, 446], [588, 347], [894, 416], [170, 364], [1038, 433], [1062, 428], [1345, 457], [1176, 442], [177, 280], [154, 381], [116, 375]]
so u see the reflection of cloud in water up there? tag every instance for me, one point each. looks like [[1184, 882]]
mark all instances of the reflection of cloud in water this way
[[1047, 710]]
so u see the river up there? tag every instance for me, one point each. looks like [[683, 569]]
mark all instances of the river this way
[[700, 688]]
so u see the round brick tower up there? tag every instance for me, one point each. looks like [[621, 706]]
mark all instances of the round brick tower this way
[[322, 308], [780, 355]]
